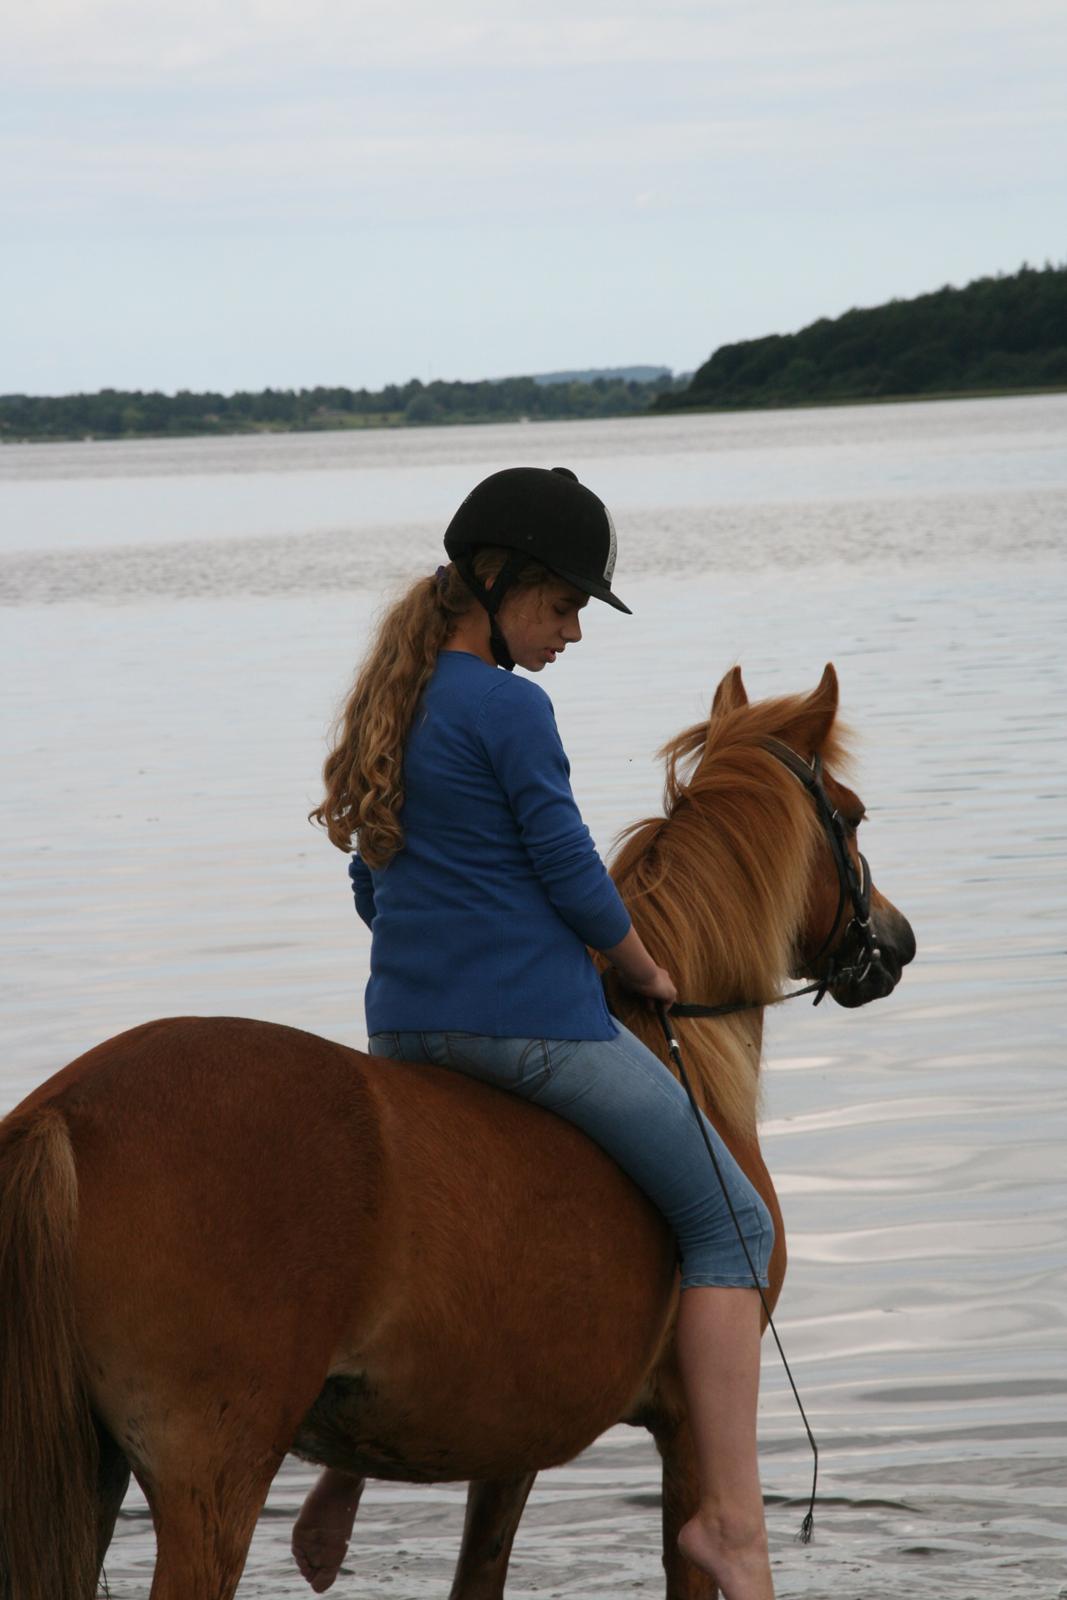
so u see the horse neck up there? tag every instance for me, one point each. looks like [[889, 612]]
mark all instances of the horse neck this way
[[716, 889], [719, 885]]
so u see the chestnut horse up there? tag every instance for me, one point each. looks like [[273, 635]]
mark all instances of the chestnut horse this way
[[222, 1240]]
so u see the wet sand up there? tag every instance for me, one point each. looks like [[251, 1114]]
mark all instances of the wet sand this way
[[164, 747]]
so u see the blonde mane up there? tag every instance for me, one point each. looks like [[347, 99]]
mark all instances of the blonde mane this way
[[718, 886]]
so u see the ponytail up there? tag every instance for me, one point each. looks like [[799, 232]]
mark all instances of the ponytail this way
[[364, 772]]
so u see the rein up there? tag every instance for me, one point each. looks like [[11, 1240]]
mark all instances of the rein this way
[[854, 887], [807, 1527], [851, 886]]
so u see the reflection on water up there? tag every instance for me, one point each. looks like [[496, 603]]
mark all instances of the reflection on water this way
[[869, 535], [705, 478], [162, 754]]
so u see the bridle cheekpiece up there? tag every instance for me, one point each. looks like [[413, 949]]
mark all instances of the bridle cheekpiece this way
[[853, 887]]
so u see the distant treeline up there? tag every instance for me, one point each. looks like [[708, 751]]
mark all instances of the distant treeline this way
[[998, 334], [123, 414], [1002, 333]]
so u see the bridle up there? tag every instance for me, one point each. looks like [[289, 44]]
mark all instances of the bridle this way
[[852, 887]]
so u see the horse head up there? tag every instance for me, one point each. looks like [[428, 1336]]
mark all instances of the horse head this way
[[850, 936]]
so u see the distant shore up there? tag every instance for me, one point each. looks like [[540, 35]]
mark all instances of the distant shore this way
[[139, 414], [349, 424], [830, 402], [996, 337]]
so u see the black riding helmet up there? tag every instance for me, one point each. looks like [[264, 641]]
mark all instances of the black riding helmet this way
[[537, 514]]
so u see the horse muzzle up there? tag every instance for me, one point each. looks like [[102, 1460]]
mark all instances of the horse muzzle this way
[[865, 980]]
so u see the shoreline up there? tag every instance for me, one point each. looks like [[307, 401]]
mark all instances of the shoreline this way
[[397, 423], [836, 402]]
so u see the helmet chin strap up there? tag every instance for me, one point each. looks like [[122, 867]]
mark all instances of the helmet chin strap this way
[[491, 600], [499, 646]]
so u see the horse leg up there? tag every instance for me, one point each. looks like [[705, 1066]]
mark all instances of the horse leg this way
[[494, 1507], [681, 1496], [112, 1481], [204, 1525]]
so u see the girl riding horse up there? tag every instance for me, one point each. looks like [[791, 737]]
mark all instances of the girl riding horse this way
[[484, 894]]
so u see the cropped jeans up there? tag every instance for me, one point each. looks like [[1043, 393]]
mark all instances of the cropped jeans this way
[[626, 1100]]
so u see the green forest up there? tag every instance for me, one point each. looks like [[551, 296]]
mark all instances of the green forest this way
[[998, 334], [120, 414]]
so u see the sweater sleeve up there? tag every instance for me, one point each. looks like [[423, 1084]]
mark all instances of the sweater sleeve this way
[[362, 888], [518, 729]]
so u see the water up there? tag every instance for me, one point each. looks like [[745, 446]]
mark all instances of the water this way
[[181, 618]]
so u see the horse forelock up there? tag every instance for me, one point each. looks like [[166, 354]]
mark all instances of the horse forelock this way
[[718, 885]]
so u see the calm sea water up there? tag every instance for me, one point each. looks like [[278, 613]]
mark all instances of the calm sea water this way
[[179, 620]]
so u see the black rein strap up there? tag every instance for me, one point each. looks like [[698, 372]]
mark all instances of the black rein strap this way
[[807, 1527]]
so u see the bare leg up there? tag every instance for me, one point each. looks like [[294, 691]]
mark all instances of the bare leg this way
[[719, 1356], [324, 1527]]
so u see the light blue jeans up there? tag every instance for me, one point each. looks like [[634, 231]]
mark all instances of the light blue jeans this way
[[625, 1099]]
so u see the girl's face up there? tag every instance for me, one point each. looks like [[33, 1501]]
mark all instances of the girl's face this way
[[540, 623]]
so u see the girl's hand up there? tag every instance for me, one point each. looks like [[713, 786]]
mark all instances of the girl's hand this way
[[639, 972], [659, 986]]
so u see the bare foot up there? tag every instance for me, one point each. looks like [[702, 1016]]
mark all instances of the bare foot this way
[[324, 1526], [734, 1555]]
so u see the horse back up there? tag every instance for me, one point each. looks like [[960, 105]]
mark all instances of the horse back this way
[[426, 1276]]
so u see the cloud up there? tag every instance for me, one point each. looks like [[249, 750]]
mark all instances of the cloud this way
[[247, 41], [708, 138], [379, 146]]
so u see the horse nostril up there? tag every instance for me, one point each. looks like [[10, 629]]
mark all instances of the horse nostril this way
[[895, 939]]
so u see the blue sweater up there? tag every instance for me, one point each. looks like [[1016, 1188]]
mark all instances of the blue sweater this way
[[480, 923]]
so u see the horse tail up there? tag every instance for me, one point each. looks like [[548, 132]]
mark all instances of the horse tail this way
[[48, 1450]]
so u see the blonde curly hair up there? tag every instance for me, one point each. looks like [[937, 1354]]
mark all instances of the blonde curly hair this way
[[364, 771]]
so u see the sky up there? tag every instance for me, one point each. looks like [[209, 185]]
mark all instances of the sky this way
[[224, 194]]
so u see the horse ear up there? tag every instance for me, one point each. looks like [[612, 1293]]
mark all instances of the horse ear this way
[[817, 714], [730, 694]]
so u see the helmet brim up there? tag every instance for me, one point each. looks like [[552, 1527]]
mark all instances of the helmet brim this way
[[599, 591]]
